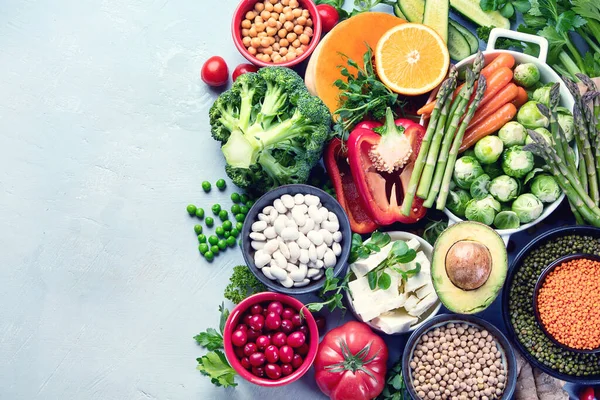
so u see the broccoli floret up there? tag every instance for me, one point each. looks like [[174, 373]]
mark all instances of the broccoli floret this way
[[271, 129]]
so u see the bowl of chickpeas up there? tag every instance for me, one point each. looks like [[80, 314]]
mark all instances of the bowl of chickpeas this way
[[276, 32]]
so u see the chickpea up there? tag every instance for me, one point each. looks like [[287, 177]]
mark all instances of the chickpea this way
[[282, 33], [273, 1], [262, 34], [258, 7], [250, 15], [268, 6], [255, 42], [246, 24], [289, 16], [258, 20], [294, 3], [282, 18], [274, 17], [278, 7], [247, 41], [272, 23], [299, 52], [252, 50], [271, 31], [298, 29], [260, 27], [296, 43], [271, 40], [268, 50], [284, 43], [291, 36], [308, 30], [297, 12], [287, 9], [285, 2], [265, 15], [279, 25], [283, 51], [288, 26], [301, 21], [276, 46], [305, 14], [252, 32], [309, 22], [245, 32], [291, 56]]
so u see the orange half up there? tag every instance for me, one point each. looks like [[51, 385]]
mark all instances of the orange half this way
[[411, 59]]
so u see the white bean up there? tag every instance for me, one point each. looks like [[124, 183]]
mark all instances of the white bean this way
[[290, 223], [267, 210], [299, 274], [304, 259], [302, 284], [263, 217], [327, 236], [302, 208], [329, 259], [288, 201], [256, 245], [270, 233], [303, 241], [319, 264], [332, 217], [257, 236], [337, 236], [299, 217], [279, 273], [321, 249], [259, 226], [284, 250], [312, 264], [299, 198], [271, 246], [315, 237], [290, 233], [337, 249], [314, 214], [316, 278], [312, 253], [287, 282], [261, 258], [311, 200], [332, 227], [267, 272], [280, 259], [294, 250], [324, 213], [273, 215], [279, 224], [312, 272], [308, 226], [291, 267], [278, 204]]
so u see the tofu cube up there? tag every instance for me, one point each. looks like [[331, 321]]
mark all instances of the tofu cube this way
[[417, 281], [371, 303], [423, 305], [425, 290], [363, 266], [413, 244], [395, 322], [411, 302]]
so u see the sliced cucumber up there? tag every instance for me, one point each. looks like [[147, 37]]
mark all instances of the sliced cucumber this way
[[472, 10], [472, 39], [398, 12], [458, 46], [412, 9], [436, 17]]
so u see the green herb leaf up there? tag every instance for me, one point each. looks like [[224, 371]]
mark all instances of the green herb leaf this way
[[434, 229], [242, 284], [224, 315], [210, 339], [384, 281], [407, 257], [521, 6], [215, 366], [399, 248], [507, 11], [372, 278]]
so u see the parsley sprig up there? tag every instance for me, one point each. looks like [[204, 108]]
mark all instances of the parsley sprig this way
[[332, 293]]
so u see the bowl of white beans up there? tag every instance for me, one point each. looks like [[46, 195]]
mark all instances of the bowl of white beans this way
[[292, 235], [276, 32]]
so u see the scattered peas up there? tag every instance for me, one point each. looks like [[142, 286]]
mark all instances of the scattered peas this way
[[203, 248], [227, 225], [235, 232], [223, 215], [202, 238], [221, 184], [198, 229], [231, 241], [244, 198], [213, 240], [235, 197], [226, 234], [239, 225], [209, 255], [249, 203], [216, 208], [200, 213], [219, 231], [191, 209], [214, 249], [244, 210], [222, 244], [206, 186], [240, 217], [209, 221], [235, 209]]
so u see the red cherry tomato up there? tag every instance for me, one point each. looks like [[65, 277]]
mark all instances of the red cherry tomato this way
[[273, 371], [297, 361], [286, 354], [303, 350], [258, 371], [275, 307], [257, 308], [286, 369], [245, 363], [279, 339], [297, 320], [587, 394], [242, 327], [303, 329], [286, 326], [329, 16], [239, 338], [252, 334], [272, 354], [257, 359], [262, 342], [288, 313], [296, 339], [215, 72], [241, 70], [273, 321], [239, 351], [250, 348], [257, 322]]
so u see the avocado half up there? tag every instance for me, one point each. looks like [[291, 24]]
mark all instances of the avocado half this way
[[469, 267]]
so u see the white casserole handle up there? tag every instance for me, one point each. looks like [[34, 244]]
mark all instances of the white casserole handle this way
[[523, 37], [505, 237]]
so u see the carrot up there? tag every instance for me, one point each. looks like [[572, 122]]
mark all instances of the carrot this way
[[489, 125], [506, 95], [496, 81], [521, 97], [502, 60]]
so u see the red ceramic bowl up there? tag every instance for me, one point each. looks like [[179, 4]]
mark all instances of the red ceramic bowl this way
[[234, 319], [247, 5]]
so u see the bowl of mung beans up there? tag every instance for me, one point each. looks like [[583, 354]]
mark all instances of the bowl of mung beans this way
[[276, 32]]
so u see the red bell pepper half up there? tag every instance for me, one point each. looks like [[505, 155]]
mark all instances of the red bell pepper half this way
[[346, 192], [381, 166]]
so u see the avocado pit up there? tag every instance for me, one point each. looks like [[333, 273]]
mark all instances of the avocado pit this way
[[468, 264]]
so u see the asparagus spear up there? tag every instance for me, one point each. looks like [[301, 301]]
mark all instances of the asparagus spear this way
[[478, 64], [586, 151], [582, 173], [591, 87], [447, 177], [444, 93]]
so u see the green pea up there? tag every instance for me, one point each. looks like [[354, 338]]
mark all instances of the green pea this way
[[235, 197], [212, 239], [209, 255], [226, 234], [203, 248], [198, 229], [202, 238], [191, 209], [206, 186], [219, 231], [227, 225], [235, 209], [216, 208], [231, 241], [223, 215], [221, 184], [240, 217], [200, 213], [209, 221], [235, 232], [239, 225], [222, 244], [244, 198], [214, 249], [244, 210], [249, 203]]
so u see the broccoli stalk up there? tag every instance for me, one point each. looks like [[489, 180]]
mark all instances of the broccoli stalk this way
[[393, 150]]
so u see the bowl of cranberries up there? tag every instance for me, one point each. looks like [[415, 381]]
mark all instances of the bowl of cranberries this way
[[268, 342]]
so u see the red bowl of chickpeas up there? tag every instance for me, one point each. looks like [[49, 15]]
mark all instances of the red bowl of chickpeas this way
[[276, 32]]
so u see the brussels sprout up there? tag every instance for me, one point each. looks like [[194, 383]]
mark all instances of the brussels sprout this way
[[532, 174], [504, 188], [469, 153], [542, 95], [466, 170], [528, 207], [566, 122], [517, 162], [545, 188], [488, 149], [527, 74], [507, 220], [457, 202], [483, 210], [493, 170], [512, 133], [531, 117], [480, 187], [545, 133]]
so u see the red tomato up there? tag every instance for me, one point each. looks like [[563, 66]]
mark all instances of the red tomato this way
[[241, 70], [587, 394], [351, 363], [329, 16], [215, 71]]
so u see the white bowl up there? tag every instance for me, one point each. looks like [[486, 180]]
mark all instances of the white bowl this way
[[433, 310], [547, 74]]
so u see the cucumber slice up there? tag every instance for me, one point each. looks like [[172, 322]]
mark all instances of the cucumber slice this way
[[398, 12], [436, 17], [412, 9], [458, 46], [472, 39], [472, 10]]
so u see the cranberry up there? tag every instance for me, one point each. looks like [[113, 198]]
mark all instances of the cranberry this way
[[250, 348], [296, 339], [279, 339], [273, 371], [239, 338], [252, 334], [286, 369], [286, 354], [256, 309], [257, 322], [239, 351], [303, 350], [288, 313], [246, 319], [258, 371], [262, 342], [296, 320], [321, 323], [273, 321], [296, 361], [286, 326], [272, 354], [303, 329], [257, 359], [242, 327], [245, 363], [275, 307]]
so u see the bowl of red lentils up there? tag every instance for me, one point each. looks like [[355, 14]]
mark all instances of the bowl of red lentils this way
[[566, 302], [276, 32]]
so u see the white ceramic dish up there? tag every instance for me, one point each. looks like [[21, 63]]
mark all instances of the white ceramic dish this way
[[433, 310], [547, 75]]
